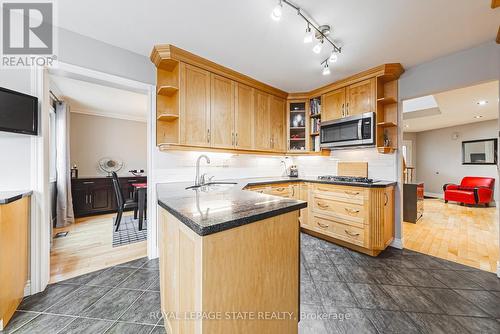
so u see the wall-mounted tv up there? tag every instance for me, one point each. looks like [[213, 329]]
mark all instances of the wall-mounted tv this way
[[18, 112]]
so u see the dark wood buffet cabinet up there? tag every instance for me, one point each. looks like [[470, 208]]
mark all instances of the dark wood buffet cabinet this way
[[92, 196]]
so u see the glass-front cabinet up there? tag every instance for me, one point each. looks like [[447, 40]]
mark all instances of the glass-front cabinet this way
[[297, 123]]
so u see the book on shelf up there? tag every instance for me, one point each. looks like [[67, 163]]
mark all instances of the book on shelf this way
[[315, 105], [315, 125]]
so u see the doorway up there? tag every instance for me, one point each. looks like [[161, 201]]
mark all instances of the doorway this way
[[442, 216], [98, 125]]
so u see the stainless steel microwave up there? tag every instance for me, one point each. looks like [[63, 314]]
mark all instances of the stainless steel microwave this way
[[352, 131]]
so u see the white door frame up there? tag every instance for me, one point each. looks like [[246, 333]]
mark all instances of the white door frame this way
[[40, 216]]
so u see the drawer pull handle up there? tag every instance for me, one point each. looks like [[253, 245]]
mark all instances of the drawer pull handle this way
[[322, 225], [280, 189], [88, 182], [322, 205], [351, 234], [353, 193], [351, 210]]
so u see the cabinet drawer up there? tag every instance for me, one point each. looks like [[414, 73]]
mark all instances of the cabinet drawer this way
[[349, 233], [284, 191], [341, 193], [339, 209]]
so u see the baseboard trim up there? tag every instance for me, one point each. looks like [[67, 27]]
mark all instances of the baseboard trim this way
[[436, 195], [397, 243], [27, 289]]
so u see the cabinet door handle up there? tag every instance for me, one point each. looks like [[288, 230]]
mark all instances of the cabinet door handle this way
[[293, 191], [351, 210], [351, 234], [208, 136], [322, 205], [88, 182], [347, 109], [232, 138], [386, 199], [352, 193], [86, 199], [322, 225], [343, 110], [236, 138]]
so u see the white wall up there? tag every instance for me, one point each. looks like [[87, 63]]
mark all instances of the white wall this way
[[96, 137], [439, 156]]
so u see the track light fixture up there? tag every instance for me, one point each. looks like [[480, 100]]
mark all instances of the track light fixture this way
[[308, 37], [326, 69], [318, 47], [277, 11], [319, 32]]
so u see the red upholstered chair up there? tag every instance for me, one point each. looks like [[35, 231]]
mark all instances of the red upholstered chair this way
[[472, 190]]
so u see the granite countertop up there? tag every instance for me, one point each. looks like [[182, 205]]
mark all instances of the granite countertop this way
[[221, 207], [7, 197]]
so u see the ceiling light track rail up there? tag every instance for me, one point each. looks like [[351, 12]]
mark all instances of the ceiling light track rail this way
[[311, 24]]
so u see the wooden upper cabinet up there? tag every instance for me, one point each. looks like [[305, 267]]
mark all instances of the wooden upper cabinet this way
[[222, 112], [360, 97], [277, 123], [262, 135], [195, 106], [244, 117], [333, 105]]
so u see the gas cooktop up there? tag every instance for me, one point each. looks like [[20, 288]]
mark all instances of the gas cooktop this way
[[333, 178]]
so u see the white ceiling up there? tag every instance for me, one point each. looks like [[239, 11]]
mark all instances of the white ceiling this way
[[458, 106], [240, 34], [93, 99]]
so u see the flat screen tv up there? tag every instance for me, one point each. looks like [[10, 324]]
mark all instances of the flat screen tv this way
[[18, 112]]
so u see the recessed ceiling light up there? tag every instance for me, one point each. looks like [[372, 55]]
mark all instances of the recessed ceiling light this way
[[478, 116], [482, 102]]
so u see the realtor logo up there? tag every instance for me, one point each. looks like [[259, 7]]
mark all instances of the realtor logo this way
[[27, 29]]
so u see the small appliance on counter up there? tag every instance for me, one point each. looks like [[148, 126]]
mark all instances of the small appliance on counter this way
[[293, 171]]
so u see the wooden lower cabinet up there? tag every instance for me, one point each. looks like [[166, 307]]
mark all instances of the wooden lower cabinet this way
[[93, 196], [14, 222], [355, 217], [225, 276]]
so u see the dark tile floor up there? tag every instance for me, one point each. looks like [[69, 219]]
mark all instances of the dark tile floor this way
[[342, 291]]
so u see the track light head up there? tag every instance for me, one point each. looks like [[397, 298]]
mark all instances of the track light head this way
[[333, 57], [308, 37], [326, 69], [277, 12], [318, 47]]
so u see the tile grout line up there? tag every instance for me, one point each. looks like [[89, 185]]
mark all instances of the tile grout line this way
[[121, 314]]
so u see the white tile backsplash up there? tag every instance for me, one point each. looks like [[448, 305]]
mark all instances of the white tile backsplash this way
[[180, 166]]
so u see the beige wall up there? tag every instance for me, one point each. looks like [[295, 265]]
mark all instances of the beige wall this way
[[96, 137], [439, 156]]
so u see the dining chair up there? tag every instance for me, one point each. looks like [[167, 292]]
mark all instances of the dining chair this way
[[129, 203]]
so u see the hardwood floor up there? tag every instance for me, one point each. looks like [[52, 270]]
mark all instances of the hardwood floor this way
[[88, 247], [467, 235]]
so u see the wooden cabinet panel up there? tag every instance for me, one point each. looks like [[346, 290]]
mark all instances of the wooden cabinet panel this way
[[100, 198], [222, 112], [262, 135], [333, 105], [360, 97], [277, 123], [195, 106], [244, 117]]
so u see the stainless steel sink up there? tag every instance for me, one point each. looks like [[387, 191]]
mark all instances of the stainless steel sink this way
[[212, 184]]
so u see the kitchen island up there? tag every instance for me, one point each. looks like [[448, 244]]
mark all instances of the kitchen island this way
[[229, 260]]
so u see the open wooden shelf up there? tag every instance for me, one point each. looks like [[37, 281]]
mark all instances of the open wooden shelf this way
[[384, 149], [167, 117], [167, 90], [316, 115], [387, 124], [314, 134], [297, 111], [297, 128], [297, 139], [386, 100]]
